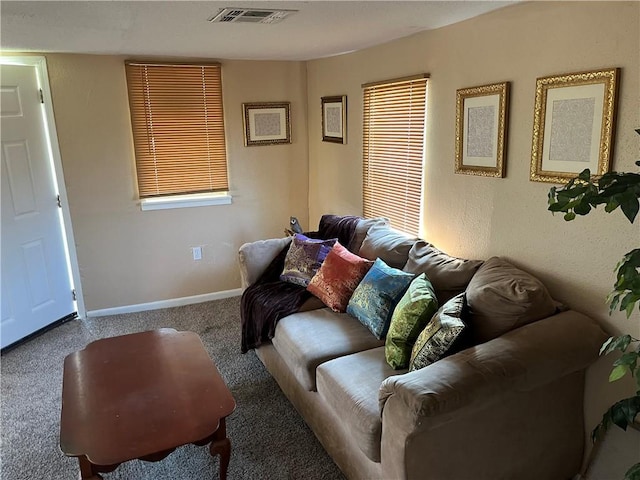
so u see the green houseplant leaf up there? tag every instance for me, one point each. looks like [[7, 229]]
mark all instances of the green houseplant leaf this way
[[615, 343], [633, 473], [617, 373]]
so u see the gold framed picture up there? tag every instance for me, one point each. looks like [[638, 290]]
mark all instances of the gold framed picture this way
[[266, 123], [481, 130], [573, 127], [334, 119]]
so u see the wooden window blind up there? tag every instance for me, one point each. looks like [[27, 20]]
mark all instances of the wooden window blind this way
[[178, 128], [393, 150]]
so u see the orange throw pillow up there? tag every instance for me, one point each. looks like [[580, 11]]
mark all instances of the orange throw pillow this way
[[338, 277]]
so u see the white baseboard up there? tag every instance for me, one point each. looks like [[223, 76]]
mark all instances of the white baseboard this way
[[172, 302]]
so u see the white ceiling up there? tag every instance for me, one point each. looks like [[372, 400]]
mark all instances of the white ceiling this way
[[181, 28]]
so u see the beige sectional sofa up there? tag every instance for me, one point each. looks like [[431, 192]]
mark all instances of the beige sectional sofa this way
[[508, 407]]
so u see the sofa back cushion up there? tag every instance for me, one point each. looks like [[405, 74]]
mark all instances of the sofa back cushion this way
[[361, 232], [338, 277], [448, 275], [377, 295], [502, 297], [384, 242]]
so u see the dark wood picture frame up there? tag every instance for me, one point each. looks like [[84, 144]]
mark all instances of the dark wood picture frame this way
[[266, 123], [334, 119]]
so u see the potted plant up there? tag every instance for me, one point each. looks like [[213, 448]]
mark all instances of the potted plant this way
[[580, 196]]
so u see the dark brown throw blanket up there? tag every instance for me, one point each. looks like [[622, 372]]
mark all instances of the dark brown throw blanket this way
[[258, 309], [269, 299]]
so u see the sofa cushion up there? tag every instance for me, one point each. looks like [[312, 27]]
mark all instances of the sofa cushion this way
[[311, 303], [305, 340], [375, 298], [361, 231], [384, 242], [502, 297], [304, 258], [338, 277], [411, 315], [439, 337], [448, 275], [350, 386]]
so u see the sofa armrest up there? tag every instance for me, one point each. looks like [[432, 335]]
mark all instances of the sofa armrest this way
[[255, 257], [520, 360]]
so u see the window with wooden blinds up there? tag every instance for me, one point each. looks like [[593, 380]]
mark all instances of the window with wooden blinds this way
[[178, 128], [393, 150]]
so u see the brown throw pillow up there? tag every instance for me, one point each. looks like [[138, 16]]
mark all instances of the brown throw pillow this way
[[501, 297], [448, 275]]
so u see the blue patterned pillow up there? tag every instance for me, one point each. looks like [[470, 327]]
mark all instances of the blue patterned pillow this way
[[304, 258], [376, 296]]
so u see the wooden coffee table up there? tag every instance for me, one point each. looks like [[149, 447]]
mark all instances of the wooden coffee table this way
[[142, 396]]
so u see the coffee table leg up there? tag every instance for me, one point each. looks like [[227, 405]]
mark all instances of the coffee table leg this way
[[221, 445], [86, 470]]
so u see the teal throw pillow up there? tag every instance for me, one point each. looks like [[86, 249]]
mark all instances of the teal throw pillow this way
[[411, 315], [441, 334], [375, 298]]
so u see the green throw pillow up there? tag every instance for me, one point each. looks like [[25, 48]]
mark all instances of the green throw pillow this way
[[440, 334], [413, 312]]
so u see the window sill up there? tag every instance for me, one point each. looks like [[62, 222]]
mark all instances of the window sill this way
[[185, 201]]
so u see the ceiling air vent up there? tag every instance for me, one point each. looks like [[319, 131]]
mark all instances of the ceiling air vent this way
[[245, 15]]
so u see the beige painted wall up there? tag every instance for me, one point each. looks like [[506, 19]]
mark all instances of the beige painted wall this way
[[128, 256], [477, 217]]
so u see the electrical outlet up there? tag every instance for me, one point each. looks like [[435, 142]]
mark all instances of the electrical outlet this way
[[197, 253]]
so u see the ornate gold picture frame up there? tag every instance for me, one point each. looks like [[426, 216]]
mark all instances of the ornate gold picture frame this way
[[481, 130], [573, 127], [266, 123]]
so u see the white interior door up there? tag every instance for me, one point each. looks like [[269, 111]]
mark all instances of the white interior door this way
[[36, 282]]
